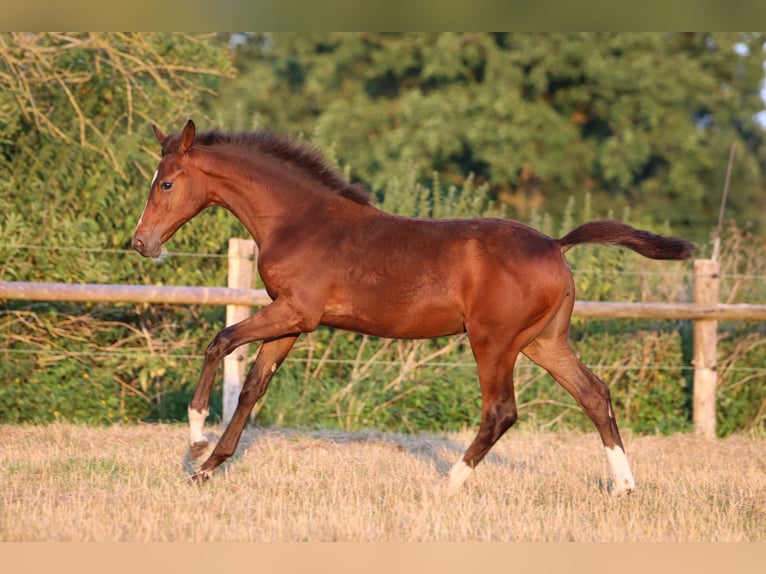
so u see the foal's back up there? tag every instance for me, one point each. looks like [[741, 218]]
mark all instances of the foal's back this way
[[416, 278]]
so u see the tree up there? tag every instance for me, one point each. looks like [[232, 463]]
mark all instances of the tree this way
[[641, 121], [76, 158], [76, 148]]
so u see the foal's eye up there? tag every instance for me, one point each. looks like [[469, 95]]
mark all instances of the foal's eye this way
[[166, 185]]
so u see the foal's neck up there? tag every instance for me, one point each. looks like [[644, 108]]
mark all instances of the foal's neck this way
[[264, 193]]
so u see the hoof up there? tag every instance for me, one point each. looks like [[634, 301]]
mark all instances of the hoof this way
[[201, 476], [618, 491], [197, 449], [449, 490], [458, 474]]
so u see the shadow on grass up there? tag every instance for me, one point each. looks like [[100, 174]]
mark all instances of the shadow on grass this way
[[438, 451]]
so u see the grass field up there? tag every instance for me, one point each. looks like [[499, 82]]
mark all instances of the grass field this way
[[70, 483]]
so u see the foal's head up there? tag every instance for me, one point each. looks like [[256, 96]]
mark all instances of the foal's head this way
[[175, 195]]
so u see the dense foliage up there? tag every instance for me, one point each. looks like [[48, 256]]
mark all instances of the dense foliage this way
[[552, 129], [636, 120]]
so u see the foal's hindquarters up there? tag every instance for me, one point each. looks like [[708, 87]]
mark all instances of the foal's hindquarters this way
[[537, 325]]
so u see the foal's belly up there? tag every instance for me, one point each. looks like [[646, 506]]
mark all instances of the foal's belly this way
[[421, 320]]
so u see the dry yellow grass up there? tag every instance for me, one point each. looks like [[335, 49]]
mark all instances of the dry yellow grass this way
[[71, 483]]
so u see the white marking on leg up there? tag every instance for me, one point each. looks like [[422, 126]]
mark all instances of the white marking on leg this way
[[196, 426], [274, 368], [457, 476], [623, 477]]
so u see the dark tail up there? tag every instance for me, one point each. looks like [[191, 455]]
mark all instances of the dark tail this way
[[616, 233]]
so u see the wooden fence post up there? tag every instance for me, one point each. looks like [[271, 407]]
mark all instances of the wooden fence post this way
[[242, 257], [706, 291]]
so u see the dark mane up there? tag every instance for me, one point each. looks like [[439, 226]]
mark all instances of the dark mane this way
[[302, 157]]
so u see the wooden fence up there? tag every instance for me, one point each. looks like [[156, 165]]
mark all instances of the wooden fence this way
[[239, 298]]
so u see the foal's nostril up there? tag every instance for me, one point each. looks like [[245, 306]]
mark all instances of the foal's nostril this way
[[139, 246]]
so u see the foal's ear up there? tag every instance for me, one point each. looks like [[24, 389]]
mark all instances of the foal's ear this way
[[159, 135], [187, 138]]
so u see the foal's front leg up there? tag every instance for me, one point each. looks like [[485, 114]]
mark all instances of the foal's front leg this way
[[270, 357], [272, 322], [198, 409]]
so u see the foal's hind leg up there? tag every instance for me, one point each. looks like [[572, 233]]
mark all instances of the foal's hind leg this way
[[555, 356]]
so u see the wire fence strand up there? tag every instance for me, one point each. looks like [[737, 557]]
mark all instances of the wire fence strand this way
[[110, 251], [351, 362]]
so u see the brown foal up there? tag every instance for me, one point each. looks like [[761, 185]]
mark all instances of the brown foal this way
[[328, 257]]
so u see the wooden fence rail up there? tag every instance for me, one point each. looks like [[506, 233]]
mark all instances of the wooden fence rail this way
[[705, 311], [93, 293]]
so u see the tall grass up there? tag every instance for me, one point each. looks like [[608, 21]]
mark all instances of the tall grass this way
[[64, 482]]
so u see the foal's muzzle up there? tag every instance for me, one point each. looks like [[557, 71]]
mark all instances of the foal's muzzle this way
[[149, 250], [138, 245]]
